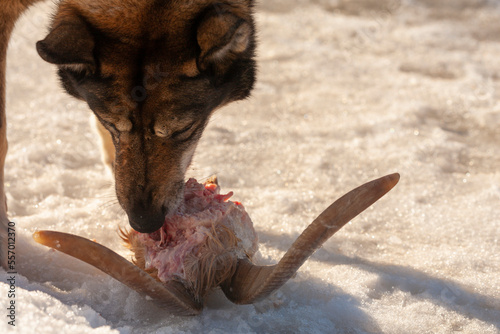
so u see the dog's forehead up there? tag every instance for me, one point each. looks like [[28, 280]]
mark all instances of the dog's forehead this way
[[128, 20], [148, 52], [147, 31], [133, 19]]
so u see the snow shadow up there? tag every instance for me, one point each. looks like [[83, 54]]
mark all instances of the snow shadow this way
[[440, 291], [103, 301]]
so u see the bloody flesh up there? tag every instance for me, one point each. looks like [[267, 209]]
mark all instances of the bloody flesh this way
[[184, 236]]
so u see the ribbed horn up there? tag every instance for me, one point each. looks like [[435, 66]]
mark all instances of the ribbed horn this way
[[173, 296], [251, 283]]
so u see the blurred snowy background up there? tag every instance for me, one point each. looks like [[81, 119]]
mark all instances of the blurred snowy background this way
[[347, 91]]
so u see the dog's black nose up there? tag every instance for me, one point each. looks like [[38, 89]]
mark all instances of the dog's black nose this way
[[147, 221]]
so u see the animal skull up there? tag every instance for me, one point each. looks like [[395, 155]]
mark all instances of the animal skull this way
[[248, 282]]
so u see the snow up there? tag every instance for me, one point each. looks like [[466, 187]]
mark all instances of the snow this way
[[347, 91]]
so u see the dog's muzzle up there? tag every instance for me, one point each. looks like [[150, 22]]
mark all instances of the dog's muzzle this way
[[147, 220]]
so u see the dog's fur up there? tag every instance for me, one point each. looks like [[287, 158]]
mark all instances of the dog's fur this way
[[152, 72]]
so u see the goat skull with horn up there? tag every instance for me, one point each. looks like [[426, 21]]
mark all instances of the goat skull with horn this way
[[229, 266]]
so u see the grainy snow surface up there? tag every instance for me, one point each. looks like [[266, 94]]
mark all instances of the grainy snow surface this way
[[347, 91]]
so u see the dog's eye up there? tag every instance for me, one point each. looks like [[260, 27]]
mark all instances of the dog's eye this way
[[185, 133], [77, 72], [76, 77]]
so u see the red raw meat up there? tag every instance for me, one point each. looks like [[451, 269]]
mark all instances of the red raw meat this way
[[201, 242]]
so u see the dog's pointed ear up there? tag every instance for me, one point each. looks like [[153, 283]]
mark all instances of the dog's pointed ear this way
[[69, 43], [222, 37]]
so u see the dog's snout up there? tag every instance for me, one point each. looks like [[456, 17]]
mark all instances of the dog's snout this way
[[144, 215], [148, 203], [147, 220]]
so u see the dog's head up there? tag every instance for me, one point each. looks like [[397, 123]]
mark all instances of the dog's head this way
[[153, 72]]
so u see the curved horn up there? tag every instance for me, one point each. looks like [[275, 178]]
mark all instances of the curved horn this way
[[172, 296], [251, 283]]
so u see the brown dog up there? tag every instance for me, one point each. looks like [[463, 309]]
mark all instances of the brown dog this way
[[152, 72]]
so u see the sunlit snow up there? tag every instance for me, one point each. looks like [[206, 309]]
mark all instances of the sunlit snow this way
[[347, 91]]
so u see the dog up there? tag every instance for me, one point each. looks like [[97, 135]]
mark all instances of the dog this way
[[152, 72]]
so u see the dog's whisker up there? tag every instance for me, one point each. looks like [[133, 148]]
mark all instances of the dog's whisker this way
[[107, 193], [108, 185], [108, 204], [107, 196], [111, 203]]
